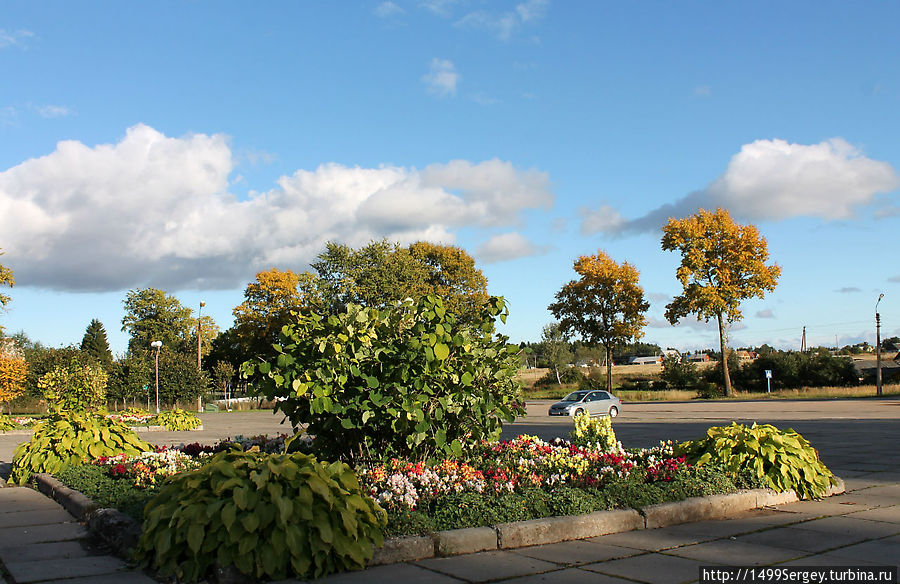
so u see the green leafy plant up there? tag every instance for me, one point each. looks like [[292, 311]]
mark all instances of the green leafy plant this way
[[272, 516], [69, 437], [783, 458], [176, 420], [6, 423], [75, 385], [409, 381], [595, 433]]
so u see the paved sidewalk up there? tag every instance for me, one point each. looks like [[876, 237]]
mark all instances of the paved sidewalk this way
[[41, 542]]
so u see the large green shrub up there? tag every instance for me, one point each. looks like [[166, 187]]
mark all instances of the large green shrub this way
[[272, 516], [176, 420], [409, 381], [679, 372], [75, 385], [784, 459], [69, 437]]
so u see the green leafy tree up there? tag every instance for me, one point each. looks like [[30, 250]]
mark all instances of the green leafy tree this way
[[555, 348], [403, 381], [130, 379], [75, 386], [179, 378], [6, 279], [722, 264], [153, 315], [605, 305], [679, 372], [95, 345]]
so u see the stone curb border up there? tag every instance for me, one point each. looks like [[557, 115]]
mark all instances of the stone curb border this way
[[558, 529], [121, 532]]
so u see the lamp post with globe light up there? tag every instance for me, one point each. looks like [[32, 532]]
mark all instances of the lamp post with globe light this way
[[157, 345], [199, 331], [878, 347]]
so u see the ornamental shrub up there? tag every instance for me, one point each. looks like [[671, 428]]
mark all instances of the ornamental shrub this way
[[68, 438], [272, 516], [176, 420], [410, 381], [13, 372], [784, 459], [75, 385], [596, 433]]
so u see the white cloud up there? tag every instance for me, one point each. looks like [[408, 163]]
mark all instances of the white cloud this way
[[52, 111], [505, 24], [155, 210], [507, 246], [605, 219], [438, 7], [765, 313], [12, 38], [442, 78], [848, 290], [775, 180], [388, 9], [702, 91]]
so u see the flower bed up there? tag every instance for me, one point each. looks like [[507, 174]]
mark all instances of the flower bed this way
[[8, 423]]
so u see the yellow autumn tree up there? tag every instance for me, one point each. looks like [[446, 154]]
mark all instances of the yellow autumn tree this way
[[722, 264], [6, 279], [13, 370], [605, 305]]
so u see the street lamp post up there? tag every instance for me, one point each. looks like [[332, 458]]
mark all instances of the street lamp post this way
[[157, 345], [199, 331], [878, 347]]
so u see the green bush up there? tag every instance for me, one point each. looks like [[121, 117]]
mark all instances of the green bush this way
[[68, 438], [409, 381], [679, 372], [269, 515], [6, 423], [75, 385], [176, 420], [784, 459], [567, 376]]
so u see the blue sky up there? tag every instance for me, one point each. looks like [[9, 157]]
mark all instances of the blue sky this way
[[188, 145]]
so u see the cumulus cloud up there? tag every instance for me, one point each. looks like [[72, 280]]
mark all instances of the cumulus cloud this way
[[605, 219], [505, 24], [694, 325], [12, 38], [775, 180], [156, 210], [507, 246], [766, 313], [848, 290], [442, 78]]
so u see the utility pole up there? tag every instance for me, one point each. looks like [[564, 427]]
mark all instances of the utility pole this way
[[803, 341], [878, 347], [199, 335]]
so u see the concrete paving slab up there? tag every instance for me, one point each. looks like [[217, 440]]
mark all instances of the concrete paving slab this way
[[885, 551], [35, 517], [133, 577], [43, 551], [830, 506], [40, 570], [750, 522], [886, 514], [570, 553], [651, 539], [568, 576], [391, 573], [17, 499], [884, 490], [848, 524], [653, 568], [15, 536], [825, 560], [485, 566], [801, 540], [735, 552]]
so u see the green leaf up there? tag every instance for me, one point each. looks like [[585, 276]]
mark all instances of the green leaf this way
[[441, 351]]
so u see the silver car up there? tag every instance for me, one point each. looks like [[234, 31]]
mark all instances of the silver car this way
[[594, 403]]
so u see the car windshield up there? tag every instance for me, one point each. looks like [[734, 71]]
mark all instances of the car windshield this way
[[575, 396]]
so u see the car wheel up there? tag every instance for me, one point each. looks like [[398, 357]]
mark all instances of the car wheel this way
[[578, 412], [613, 412]]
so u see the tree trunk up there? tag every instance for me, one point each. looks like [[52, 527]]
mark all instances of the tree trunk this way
[[558, 382], [608, 367], [724, 348]]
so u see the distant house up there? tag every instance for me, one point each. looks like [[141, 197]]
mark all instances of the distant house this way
[[698, 357], [653, 360], [745, 356], [670, 353]]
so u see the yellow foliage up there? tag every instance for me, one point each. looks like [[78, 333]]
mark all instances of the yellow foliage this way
[[722, 264], [12, 377]]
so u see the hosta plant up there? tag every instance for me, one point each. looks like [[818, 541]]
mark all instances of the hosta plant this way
[[595, 433], [784, 459], [176, 420], [269, 515], [69, 438]]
